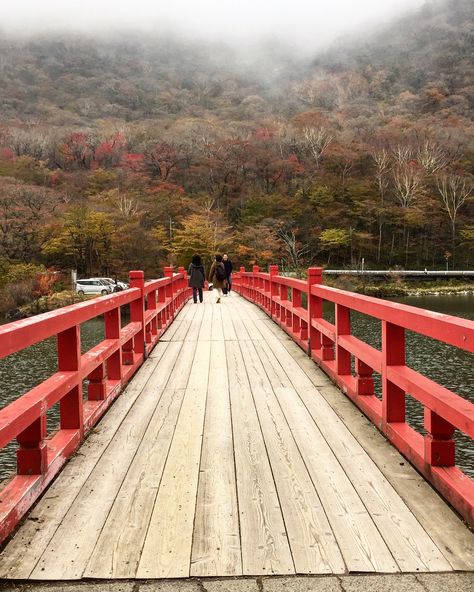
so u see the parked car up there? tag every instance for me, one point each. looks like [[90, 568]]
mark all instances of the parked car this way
[[116, 285], [93, 286]]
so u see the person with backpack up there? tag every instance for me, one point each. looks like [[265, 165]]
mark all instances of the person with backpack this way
[[228, 274], [197, 277], [217, 276]]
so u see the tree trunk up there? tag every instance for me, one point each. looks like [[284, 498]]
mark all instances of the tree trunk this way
[[391, 250], [406, 248], [453, 241], [379, 247]]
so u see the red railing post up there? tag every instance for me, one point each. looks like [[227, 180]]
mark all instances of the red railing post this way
[[182, 285], [274, 289], [285, 314], [71, 408], [315, 311], [151, 329], [255, 270], [168, 272], [439, 445], [112, 331], [137, 311], [162, 314], [97, 387], [343, 327], [365, 380], [393, 354], [242, 288], [296, 322], [32, 456]]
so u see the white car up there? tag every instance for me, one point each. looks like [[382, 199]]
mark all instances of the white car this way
[[116, 286], [93, 286]]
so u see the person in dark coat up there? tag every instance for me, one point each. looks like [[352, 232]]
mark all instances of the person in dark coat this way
[[217, 276], [228, 274], [197, 277]]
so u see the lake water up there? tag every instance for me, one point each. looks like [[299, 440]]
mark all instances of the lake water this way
[[444, 364]]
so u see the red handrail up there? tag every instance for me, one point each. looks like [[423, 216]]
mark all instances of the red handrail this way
[[108, 367], [332, 347]]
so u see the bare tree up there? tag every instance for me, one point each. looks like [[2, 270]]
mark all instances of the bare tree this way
[[454, 192], [383, 167], [408, 183], [127, 206], [317, 141], [295, 251], [433, 157], [402, 154]]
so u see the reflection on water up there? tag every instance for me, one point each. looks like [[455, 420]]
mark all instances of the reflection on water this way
[[444, 364]]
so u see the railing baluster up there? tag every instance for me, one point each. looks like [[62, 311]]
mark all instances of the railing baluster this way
[[168, 271], [137, 311], [365, 380], [97, 387], [274, 291], [439, 445], [296, 323], [393, 351], [112, 331], [343, 327], [32, 454], [71, 408], [315, 311]]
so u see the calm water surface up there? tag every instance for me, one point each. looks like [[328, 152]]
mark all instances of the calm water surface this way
[[444, 364]]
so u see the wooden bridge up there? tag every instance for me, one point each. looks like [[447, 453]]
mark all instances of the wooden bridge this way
[[231, 452]]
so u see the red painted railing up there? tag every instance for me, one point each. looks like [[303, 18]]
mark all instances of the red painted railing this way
[[108, 367], [334, 348]]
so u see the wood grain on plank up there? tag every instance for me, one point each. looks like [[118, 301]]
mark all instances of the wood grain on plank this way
[[216, 542], [361, 544], [117, 552], [312, 542], [167, 548], [264, 541]]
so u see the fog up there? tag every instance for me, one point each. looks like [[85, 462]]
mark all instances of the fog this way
[[306, 24]]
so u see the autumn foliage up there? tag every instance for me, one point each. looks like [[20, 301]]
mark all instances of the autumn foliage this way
[[158, 150]]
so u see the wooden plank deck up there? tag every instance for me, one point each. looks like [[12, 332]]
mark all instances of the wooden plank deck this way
[[230, 454]]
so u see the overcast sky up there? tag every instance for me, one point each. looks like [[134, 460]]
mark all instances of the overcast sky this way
[[308, 22]]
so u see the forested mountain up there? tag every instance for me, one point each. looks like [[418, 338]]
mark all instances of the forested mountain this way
[[131, 151]]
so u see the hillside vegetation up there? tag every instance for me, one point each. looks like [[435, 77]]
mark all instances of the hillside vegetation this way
[[131, 152]]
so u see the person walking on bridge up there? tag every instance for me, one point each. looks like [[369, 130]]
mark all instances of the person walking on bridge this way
[[228, 274], [197, 277], [217, 276]]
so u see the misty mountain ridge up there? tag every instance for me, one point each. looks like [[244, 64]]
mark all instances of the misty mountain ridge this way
[[420, 64]]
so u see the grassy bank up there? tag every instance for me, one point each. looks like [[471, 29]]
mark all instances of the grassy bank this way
[[46, 304]]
